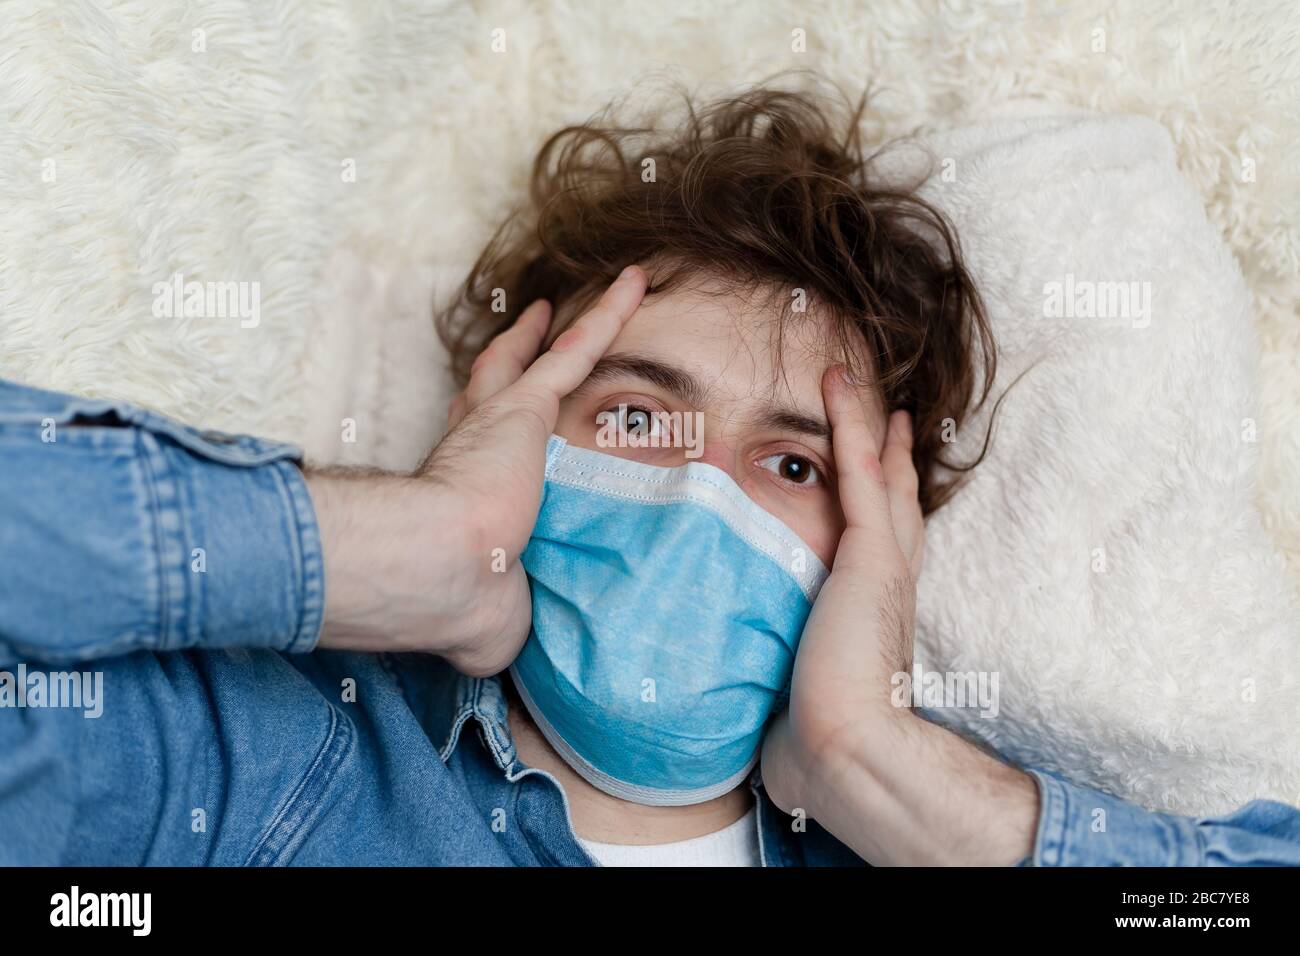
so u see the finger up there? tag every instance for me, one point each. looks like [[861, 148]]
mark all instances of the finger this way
[[506, 356], [572, 356], [456, 413], [901, 485], [859, 473]]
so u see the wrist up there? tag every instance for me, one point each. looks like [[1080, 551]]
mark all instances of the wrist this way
[[903, 790], [395, 559], [859, 757]]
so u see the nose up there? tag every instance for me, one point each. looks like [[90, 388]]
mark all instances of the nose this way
[[720, 455]]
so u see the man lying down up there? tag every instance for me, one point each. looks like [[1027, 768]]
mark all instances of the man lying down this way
[[643, 604]]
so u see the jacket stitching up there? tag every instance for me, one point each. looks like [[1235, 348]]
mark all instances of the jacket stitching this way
[[147, 466]]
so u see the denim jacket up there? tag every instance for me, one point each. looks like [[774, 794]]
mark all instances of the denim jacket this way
[[161, 593]]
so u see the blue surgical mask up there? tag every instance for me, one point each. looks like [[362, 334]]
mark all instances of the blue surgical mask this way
[[667, 607]]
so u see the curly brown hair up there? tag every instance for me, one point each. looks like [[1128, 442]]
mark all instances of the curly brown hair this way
[[763, 189]]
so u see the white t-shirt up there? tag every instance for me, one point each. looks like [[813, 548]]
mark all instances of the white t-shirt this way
[[735, 845]]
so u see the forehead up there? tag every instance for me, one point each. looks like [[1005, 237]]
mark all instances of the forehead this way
[[736, 341]]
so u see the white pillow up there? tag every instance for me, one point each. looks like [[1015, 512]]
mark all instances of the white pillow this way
[[1106, 561]]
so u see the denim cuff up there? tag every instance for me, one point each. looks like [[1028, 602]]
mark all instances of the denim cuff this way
[[1078, 826], [240, 551], [311, 559]]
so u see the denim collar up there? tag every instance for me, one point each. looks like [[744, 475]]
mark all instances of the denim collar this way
[[483, 699], [444, 701]]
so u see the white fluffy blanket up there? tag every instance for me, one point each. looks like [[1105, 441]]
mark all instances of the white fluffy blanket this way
[[350, 156]]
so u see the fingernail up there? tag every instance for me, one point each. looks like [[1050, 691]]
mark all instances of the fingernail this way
[[846, 377], [628, 273]]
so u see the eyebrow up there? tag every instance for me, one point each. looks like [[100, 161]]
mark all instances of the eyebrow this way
[[789, 420], [688, 389]]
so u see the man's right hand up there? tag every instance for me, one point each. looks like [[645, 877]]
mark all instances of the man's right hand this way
[[430, 562]]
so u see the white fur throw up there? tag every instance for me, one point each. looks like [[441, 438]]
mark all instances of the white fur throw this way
[[351, 156]]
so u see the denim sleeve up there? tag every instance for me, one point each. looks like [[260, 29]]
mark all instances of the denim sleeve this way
[[121, 530], [1078, 826]]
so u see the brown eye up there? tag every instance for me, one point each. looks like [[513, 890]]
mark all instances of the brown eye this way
[[638, 421], [793, 468], [635, 426]]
